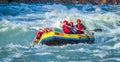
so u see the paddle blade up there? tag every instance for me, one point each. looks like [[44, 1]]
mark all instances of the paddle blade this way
[[97, 30]]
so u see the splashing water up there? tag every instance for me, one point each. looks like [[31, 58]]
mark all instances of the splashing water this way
[[18, 23]]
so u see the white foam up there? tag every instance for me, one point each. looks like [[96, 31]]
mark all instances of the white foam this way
[[106, 47], [7, 59], [13, 46], [80, 61], [6, 25], [45, 53], [115, 31], [62, 57], [77, 50], [96, 51], [3, 29], [118, 59], [117, 46], [105, 60], [17, 55], [101, 55], [3, 23], [55, 7]]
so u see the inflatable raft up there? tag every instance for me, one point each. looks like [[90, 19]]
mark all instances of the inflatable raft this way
[[57, 38]]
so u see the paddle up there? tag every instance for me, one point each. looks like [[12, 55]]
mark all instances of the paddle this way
[[96, 30], [33, 43]]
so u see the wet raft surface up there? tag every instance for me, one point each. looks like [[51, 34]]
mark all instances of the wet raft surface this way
[[63, 39]]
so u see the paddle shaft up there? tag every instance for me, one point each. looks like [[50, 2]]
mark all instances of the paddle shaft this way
[[95, 30]]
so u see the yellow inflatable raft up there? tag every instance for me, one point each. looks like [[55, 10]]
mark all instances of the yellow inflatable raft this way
[[57, 38]]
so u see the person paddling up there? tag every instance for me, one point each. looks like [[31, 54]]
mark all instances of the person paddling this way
[[80, 27], [38, 36], [66, 27], [47, 30], [73, 29]]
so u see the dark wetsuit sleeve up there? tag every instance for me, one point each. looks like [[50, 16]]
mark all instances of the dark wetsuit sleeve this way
[[83, 27]]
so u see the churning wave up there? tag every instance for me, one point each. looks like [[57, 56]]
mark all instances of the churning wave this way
[[19, 22]]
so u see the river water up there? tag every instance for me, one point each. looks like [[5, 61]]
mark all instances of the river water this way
[[19, 22]]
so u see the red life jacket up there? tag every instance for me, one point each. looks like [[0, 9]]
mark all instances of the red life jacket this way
[[66, 29], [80, 26], [39, 34]]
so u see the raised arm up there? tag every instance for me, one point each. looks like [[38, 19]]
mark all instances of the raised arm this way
[[60, 24]]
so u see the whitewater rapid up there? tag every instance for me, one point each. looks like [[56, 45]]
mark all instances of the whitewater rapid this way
[[19, 22]]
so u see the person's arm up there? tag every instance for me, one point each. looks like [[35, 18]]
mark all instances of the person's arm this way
[[69, 26], [76, 27], [84, 28], [51, 28], [60, 24]]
